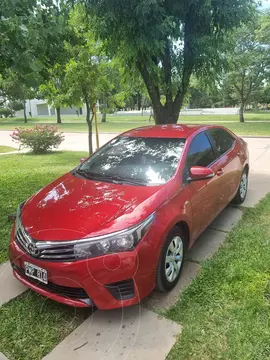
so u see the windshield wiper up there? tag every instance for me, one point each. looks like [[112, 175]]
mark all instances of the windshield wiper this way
[[84, 173], [114, 179], [120, 179]]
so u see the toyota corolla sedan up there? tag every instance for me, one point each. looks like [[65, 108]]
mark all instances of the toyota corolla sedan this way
[[119, 225]]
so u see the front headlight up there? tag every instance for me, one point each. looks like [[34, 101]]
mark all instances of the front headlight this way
[[125, 240]]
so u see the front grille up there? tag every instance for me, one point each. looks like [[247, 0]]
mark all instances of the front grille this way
[[122, 290], [22, 239], [51, 252], [60, 253], [68, 292]]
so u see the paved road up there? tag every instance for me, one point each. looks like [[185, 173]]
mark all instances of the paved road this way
[[73, 141]]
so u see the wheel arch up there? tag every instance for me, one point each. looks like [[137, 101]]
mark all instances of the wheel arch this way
[[184, 226], [247, 167]]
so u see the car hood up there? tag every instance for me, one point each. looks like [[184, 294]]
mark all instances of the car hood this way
[[72, 208]]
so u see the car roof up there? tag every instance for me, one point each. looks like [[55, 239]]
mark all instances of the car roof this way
[[167, 131]]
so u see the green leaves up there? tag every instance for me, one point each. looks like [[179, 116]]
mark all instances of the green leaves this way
[[54, 89], [248, 64], [167, 40], [40, 139], [31, 35]]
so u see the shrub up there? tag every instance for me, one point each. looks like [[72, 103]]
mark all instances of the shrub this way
[[40, 139], [6, 112]]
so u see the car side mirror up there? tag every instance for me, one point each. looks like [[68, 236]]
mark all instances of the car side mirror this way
[[82, 160], [12, 218], [200, 173]]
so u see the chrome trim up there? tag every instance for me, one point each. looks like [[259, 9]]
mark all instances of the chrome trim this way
[[64, 250], [29, 245], [47, 244], [88, 302], [70, 257], [45, 251]]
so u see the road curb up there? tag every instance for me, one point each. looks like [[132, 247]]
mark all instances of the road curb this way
[[11, 153], [254, 137], [3, 357]]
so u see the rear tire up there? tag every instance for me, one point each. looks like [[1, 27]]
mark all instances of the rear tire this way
[[171, 260], [242, 190]]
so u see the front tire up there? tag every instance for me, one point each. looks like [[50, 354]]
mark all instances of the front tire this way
[[171, 260], [242, 190]]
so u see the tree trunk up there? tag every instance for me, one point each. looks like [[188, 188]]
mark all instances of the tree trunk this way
[[89, 123], [139, 99], [169, 113], [104, 117], [165, 115], [58, 114], [24, 112], [241, 113]]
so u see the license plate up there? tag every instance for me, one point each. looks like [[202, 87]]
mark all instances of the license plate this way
[[36, 272]]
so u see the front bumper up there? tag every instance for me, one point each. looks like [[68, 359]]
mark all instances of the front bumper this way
[[107, 282]]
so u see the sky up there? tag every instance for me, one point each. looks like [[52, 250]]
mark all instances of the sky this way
[[265, 3]]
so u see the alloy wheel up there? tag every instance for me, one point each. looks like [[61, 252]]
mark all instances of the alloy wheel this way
[[243, 185], [174, 258]]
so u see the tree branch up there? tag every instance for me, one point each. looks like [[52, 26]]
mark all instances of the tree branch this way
[[167, 66], [188, 65], [238, 89], [153, 89]]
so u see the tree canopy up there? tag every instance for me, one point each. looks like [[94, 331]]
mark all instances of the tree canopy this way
[[248, 64], [166, 40], [87, 73], [31, 34], [133, 53]]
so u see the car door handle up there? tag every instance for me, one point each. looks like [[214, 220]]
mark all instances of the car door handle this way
[[220, 172]]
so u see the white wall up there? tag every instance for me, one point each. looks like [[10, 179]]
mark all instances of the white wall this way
[[41, 108], [187, 112], [210, 111]]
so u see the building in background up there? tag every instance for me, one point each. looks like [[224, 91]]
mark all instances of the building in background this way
[[39, 107]]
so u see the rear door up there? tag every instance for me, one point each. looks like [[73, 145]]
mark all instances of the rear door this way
[[228, 163], [204, 194]]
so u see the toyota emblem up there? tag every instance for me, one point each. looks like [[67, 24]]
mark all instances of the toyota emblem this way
[[32, 249]]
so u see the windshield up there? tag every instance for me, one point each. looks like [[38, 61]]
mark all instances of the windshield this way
[[146, 161]]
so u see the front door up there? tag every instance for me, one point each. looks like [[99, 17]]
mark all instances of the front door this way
[[204, 194]]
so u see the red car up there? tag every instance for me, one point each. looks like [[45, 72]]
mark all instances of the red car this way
[[119, 225]]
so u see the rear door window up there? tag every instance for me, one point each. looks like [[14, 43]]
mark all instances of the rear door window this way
[[222, 140]]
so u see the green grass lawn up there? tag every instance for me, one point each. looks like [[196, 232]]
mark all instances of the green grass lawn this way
[[259, 129], [6, 149], [23, 175], [225, 312], [258, 124], [31, 325]]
